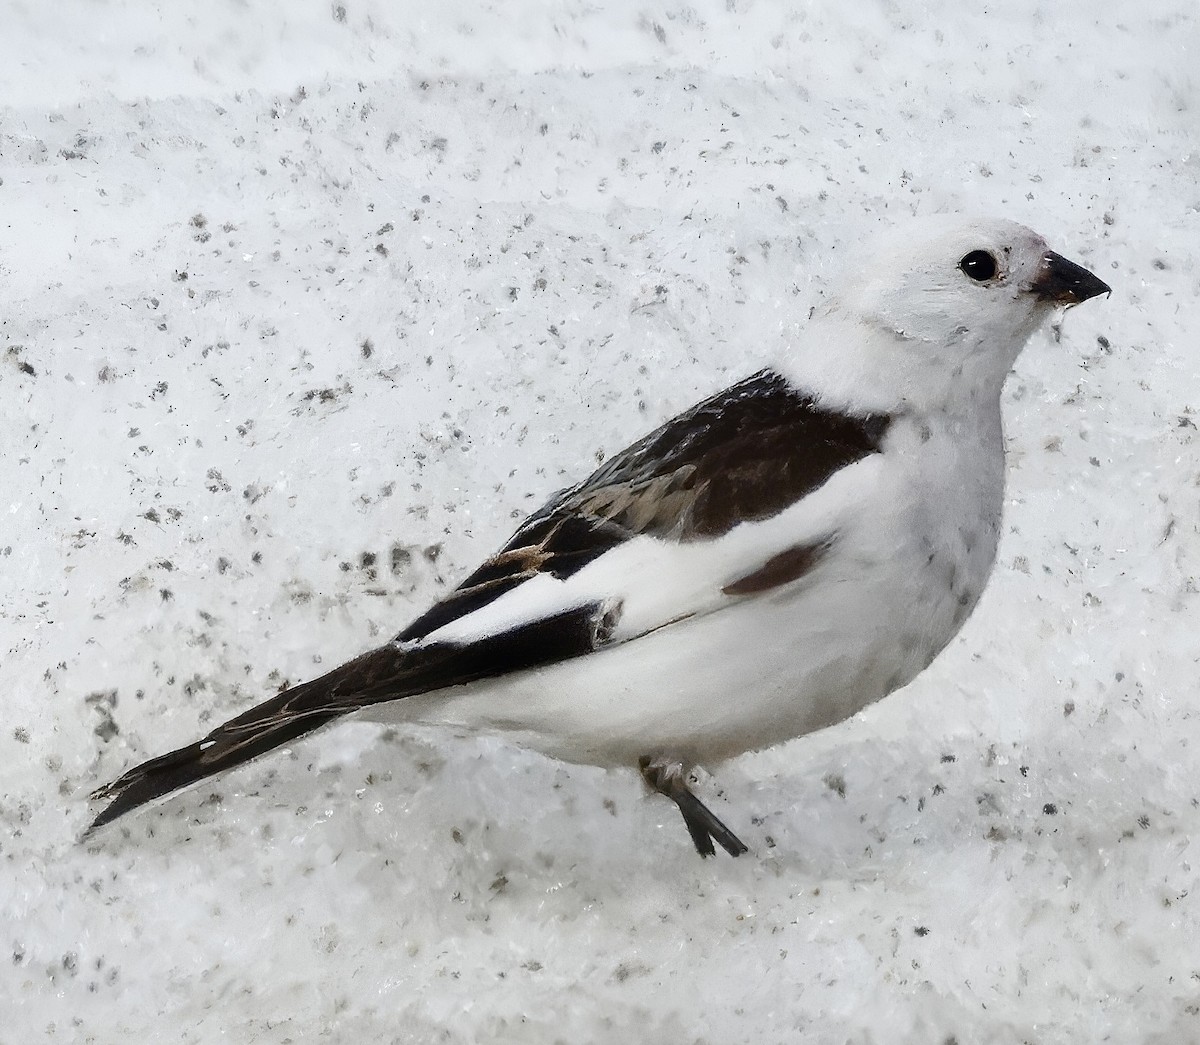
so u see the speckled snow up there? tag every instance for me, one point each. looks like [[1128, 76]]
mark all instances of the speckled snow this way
[[304, 304]]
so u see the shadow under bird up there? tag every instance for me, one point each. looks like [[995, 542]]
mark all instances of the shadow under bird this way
[[763, 565]]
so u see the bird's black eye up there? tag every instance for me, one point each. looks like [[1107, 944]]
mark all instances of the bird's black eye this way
[[979, 265]]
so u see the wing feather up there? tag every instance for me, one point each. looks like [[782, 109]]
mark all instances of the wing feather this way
[[742, 455]]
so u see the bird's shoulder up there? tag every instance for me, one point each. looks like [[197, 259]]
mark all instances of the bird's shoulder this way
[[742, 455]]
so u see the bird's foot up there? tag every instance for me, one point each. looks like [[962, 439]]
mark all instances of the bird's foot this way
[[668, 777]]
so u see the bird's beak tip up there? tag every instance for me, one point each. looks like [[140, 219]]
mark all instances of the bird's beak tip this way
[[1063, 282]]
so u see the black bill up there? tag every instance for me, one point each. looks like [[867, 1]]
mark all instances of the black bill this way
[[1064, 282]]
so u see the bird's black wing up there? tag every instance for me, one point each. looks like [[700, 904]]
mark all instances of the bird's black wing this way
[[744, 454]]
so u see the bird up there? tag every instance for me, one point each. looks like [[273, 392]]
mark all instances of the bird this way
[[763, 565]]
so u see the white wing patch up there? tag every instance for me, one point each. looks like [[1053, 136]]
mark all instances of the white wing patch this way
[[656, 583]]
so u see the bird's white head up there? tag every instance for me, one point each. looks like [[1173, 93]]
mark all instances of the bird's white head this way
[[933, 317]]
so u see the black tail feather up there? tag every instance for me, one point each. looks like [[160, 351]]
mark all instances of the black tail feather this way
[[388, 673], [269, 725]]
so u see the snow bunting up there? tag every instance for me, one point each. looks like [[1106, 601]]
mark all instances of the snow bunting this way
[[765, 564]]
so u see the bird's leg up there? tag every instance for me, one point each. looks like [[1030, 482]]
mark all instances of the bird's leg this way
[[667, 777]]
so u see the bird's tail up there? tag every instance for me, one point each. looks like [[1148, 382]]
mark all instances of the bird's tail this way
[[388, 673], [271, 724]]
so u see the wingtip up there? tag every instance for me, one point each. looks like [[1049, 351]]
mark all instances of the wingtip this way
[[119, 800], [106, 816], [146, 782]]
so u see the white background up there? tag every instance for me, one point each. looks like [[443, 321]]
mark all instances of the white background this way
[[285, 286]]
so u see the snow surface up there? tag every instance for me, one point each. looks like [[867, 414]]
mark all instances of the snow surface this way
[[304, 304]]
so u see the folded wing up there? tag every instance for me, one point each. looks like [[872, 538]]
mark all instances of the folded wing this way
[[743, 455]]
